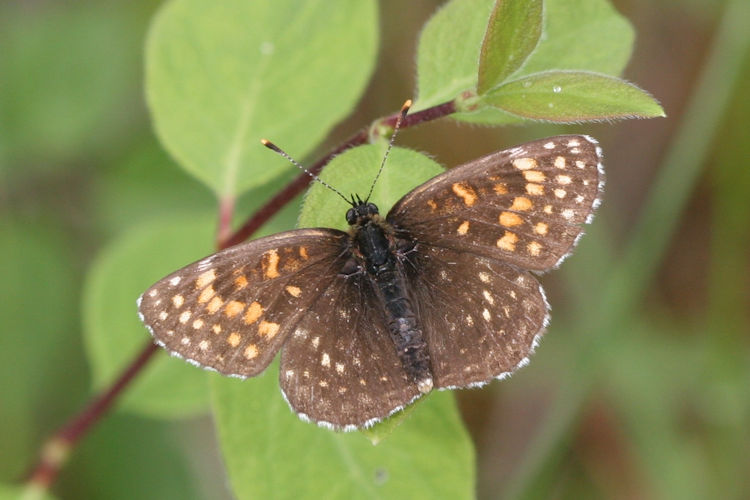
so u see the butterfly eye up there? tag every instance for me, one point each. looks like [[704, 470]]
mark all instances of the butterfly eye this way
[[372, 209], [351, 216]]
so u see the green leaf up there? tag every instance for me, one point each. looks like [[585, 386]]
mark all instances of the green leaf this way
[[113, 334], [585, 35], [573, 96], [222, 75], [582, 35], [144, 182], [353, 171], [270, 453], [385, 428], [512, 34], [449, 50]]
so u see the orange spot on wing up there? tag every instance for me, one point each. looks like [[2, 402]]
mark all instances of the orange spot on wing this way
[[254, 312], [535, 189], [268, 329], [510, 219], [251, 351], [240, 282], [534, 176], [534, 248], [521, 203], [205, 278], [465, 192], [233, 308], [508, 242], [214, 305], [233, 339], [541, 228], [271, 268], [206, 294]]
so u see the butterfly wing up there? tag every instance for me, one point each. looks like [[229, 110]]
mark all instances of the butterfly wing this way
[[479, 228], [232, 311], [339, 367], [523, 205], [482, 317]]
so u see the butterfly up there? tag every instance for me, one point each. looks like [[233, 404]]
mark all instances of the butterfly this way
[[437, 294]]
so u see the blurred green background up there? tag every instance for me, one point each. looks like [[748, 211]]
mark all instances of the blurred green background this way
[[641, 388]]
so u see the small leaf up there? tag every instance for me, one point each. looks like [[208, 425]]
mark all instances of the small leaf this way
[[573, 96], [222, 75], [271, 453], [512, 33], [353, 172], [588, 35], [449, 50], [585, 35]]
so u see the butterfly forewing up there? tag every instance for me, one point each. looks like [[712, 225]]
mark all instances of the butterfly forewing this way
[[339, 366], [482, 316], [232, 311], [523, 205]]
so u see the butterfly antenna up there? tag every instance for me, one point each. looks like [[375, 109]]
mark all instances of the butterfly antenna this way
[[294, 162], [401, 116]]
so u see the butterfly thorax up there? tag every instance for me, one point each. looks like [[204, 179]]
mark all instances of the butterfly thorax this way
[[380, 256]]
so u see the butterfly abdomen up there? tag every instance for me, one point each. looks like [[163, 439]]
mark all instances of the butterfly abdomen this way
[[389, 282]]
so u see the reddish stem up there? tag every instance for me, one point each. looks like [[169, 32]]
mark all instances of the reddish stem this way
[[56, 450], [226, 212]]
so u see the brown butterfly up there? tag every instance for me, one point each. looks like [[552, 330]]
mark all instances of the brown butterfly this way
[[437, 294]]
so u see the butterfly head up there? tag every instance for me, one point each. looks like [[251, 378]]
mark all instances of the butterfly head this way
[[360, 212]]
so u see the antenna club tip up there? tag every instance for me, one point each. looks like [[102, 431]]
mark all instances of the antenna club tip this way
[[270, 145], [406, 106]]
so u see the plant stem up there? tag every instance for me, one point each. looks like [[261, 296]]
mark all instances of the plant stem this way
[[226, 212], [56, 450]]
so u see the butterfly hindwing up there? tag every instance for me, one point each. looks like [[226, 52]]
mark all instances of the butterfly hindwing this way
[[232, 311], [482, 317], [339, 367], [523, 205]]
